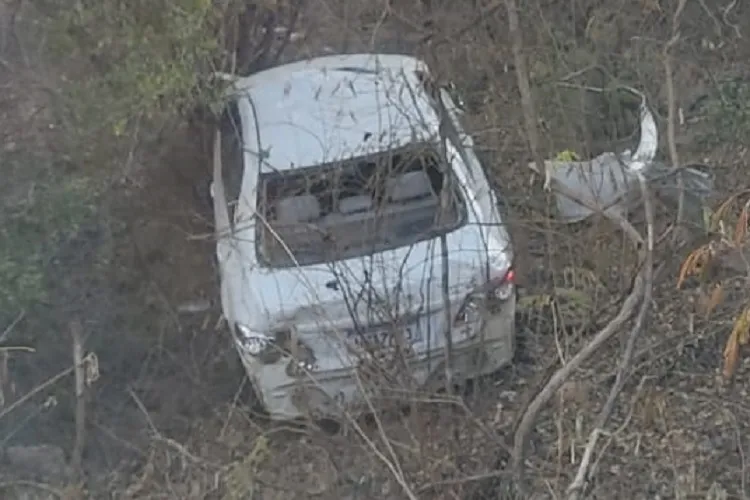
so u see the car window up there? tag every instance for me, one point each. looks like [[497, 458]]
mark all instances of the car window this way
[[231, 156], [357, 207]]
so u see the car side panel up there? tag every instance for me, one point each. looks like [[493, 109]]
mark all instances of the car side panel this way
[[223, 227], [484, 196]]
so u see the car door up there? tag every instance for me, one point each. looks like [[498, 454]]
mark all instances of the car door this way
[[222, 222], [225, 191]]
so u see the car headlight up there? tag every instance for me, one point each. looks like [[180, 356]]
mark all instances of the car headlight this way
[[471, 310], [266, 348], [254, 343], [303, 360]]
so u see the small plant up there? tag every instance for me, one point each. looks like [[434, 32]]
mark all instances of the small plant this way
[[567, 155], [731, 235], [572, 303], [147, 65], [240, 475], [728, 110], [30, 232]]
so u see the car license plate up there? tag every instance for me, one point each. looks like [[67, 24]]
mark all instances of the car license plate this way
[[385, 338]]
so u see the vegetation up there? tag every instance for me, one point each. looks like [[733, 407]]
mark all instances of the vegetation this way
[[727, 248], [103, 107], [31, 233], [139, 66]]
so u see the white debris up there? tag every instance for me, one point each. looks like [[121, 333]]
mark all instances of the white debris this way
[[609, 181]]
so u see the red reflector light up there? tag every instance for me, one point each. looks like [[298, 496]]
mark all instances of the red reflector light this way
[[508, 277]]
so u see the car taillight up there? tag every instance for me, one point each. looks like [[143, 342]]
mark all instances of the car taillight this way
[[499, 288], [270, 348]]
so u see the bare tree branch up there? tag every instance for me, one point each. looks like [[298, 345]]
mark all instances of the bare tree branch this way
[[641, 288], [671, 115], [562, 375], [524, 87], [296, 8], [647, 271], [76, 332], [36, 390], [11, 326]]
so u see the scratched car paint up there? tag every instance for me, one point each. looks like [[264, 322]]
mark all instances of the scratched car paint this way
[[354, 221]]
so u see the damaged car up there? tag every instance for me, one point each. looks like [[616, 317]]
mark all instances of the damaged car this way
[[361, 248]]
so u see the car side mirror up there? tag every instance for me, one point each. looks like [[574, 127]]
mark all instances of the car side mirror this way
[[211, 190]]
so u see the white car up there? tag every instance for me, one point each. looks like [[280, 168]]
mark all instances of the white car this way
[[356, 234]]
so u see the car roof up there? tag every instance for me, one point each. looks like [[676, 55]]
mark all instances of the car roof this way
[[331, 108]]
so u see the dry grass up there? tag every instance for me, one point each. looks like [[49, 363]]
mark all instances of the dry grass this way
[[169, 417]]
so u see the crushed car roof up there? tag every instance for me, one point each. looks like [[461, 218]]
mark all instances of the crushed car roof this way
[[331, 108]]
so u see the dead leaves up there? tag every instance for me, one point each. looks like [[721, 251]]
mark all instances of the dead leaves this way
[[710, 301], [728, 235], [740, 336], [740, 229], [696, 264], [724, 212]]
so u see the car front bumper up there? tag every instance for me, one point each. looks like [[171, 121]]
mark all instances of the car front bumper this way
[[332, 394]]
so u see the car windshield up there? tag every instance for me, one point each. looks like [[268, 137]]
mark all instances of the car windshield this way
[[357, 207]]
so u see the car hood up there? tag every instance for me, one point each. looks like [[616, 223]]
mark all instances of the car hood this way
[[374, 288]]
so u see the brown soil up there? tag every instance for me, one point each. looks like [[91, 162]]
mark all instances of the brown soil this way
[[172, 416]]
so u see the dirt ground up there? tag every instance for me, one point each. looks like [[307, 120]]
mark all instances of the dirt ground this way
[[170, 415]]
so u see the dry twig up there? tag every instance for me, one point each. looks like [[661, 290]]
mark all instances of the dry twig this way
[[36, 390], [49, 490], [524, 87], [562, 375], [12, 326], [672, 115], [575, 488], [641, 284], [76, 332], [628, 307]]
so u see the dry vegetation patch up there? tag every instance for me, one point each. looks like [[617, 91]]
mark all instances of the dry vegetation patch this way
[[170, 416]]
